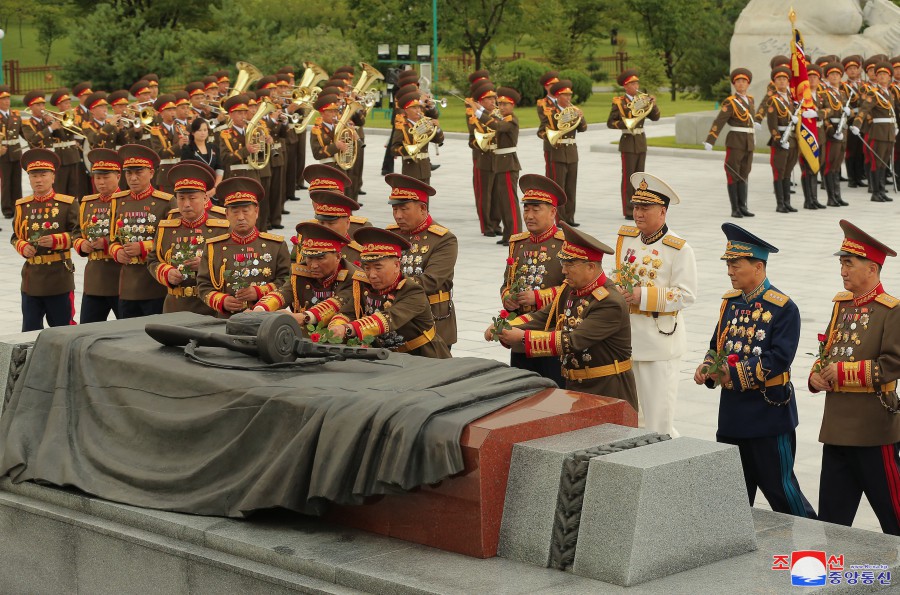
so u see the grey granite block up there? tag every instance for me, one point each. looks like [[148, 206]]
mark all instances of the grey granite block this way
[[8, 344], [37, 554], [533, 488], [661, 509]]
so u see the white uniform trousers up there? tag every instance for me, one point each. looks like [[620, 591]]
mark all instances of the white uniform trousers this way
[[657, 388]]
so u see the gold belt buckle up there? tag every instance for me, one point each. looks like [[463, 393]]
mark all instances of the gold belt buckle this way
[[38, 260]]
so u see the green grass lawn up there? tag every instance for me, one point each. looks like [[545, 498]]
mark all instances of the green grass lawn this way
[[21, 44], [669, 141], [596, 109]]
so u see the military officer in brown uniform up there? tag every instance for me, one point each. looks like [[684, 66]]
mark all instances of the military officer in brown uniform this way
[[321, 138], [388, 307], [100, 129], [586, 326], [548, 79], [859, 372], [141, 92], [332, 207], [240, 267], [128, 131], [407, 126], [854, 86], [738, 112], [135, 215], [877, 107], [322, 274], [779, 113], [38, 129], [102, 272], [180, 241], [69, 146], [277, 131], [166, 138], [431, 258], [45, 229], [483, 101], [563, 157], [835, 102], [633, 143], [505, 163], [10, 153], [533, 274]]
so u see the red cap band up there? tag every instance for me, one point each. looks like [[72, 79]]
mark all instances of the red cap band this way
[[408, 194], [574, 252], [864, 250], [106, 166], [137, 162], [326, 184], [190, 184], [40, 165]]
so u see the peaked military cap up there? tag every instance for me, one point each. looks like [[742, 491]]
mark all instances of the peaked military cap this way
[[741, 73], [240, 191], [580, 246], [407, 189], [138, 156], [508, 95], [192, 176], [650, 190], [318, 239], [540, 189], [329, 205], [859, 243], [743, 244], [627, 76], [321, 176], [379, 243], [104, 160], [40, 160]]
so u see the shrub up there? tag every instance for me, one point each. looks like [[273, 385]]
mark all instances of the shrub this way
[[582, 85], [525, 77]]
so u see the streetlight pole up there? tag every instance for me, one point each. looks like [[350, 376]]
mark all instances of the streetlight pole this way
[[2, 34], [434, 41]]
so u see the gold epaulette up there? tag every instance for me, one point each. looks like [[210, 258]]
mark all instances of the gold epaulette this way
[[358, 275], [776, 297], [560, 235], [14, 112], [271, 236], [673, 242], [64, 198], [224, 236], [89, 197], [843, 296], [170, 223], [218, 223], [154, 129], [887, 300], [393, 226], [217, 210], [355, 245], [24, 200], [438, 230], [730, 294], [121, 194], [629, 231], [342, 275], [300, 270], [519, 236], [600, 293], [162, 195], [401, 284], [226, 132], [360, 220]]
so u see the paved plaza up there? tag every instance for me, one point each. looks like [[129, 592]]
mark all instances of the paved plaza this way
[[805, 269]]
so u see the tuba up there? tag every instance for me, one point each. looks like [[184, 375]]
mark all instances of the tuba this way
[[640, 108], [256, 135], [342, 132], [567, 120], [422, 132], [247, 75], [306, 93]]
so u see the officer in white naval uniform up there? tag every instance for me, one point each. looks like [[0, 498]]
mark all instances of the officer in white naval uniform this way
[[657, 274]]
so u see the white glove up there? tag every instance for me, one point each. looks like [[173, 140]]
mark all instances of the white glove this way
[[794, 119], [785, 144], [810, 113], [757, 125], [707, 146], [855, 130], [847, 111], [839, 136]]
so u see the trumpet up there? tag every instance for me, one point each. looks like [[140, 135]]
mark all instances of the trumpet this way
[[429, 99], [286, 118], [66, 119]]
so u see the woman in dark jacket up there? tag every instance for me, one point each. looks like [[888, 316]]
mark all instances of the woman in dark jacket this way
[[201, 148]]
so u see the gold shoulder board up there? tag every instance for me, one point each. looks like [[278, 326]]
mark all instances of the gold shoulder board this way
[[674, 242], [519, 236], [342, 275], [24, 200], [271, 236], [600, 293], [629, 231], [360, 220], [732, 293], [843, 296], [217, 223], [64, 198], [401, 284], [887, 300], [776, 297], [438, 230], [360, 276], [169, 223], [162, 195], [218, 238]]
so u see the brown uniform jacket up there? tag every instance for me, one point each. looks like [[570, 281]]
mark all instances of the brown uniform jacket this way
[[418, 166], [260, 260], [50, 270], [10, 131], [303, 292], [177, 241], [738, 113], [833, 102], [629, 143], [164, 142], [778, 118], [278, 131], [400, 319], [535, 266], [507, 137], [563, 152], [483, 159], [233, 151], [37, 133], [102, 272], [350, 251], [321, 141], [430, 263], [590, 331], [100, 136], [876, 108], [139, 215], [864, 341]]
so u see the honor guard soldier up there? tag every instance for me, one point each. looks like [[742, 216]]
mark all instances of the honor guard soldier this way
[[291, 139], [836, 103], [858, 371], [404, 78], [69, 176], [321, 139], [223, 82], [135, 215], [413, 132], [166, 138], [10, 153], [240, 267], [548, 79], [199, 107], [586, 326], [483, 101], [322, 274], [656, 273], [102, 272], [632, 143], [775, 62], [183, 114], [779, 113], [809, 179], [45, 229], [100, 130], [431, 258], [563, 156], [180, 241], [855, 88], [758, 331], [877, 109], [141, 92], [533, 274], [388, 306], [895, 93], [738, 112]]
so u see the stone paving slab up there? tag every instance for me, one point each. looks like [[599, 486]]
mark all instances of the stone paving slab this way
[[805, 268]]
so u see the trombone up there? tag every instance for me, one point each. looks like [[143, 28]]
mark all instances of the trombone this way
[[66, 119]]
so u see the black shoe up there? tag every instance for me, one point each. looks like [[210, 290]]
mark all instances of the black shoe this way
[[285, 212], [361, 192], [302, 187], [434, 167], [7, 216], [503, 242], [279, 226], [293, 198], [852, 184], [877, 198], [573, 224], [842, 178], [489, 234]]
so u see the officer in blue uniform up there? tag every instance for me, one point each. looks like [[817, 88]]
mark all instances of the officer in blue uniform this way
[[758, 332]]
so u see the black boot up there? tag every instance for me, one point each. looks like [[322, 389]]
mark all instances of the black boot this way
[[742, 199], [875, 180], [786, 185], [779, 197], [813, 192], [807, 194], [884, 187], [837, 190], [733, 199], [829, 190]]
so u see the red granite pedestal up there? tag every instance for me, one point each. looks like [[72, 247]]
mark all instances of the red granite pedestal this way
[[462, 513]]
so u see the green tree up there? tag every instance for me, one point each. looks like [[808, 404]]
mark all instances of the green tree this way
[[394, 22], [706, 61], [470, 25], [52, 23], [564, 29]]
